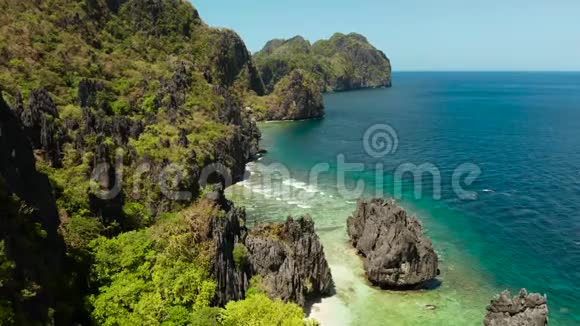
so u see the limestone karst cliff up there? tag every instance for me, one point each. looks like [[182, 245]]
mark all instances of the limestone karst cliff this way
[[121, 104], [343, 62], [295, 97], [295, 73], [287, 257]]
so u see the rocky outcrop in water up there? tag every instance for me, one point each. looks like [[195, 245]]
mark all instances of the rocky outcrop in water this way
[[290, 259], [396, 254], [296, 73], [525, 309]]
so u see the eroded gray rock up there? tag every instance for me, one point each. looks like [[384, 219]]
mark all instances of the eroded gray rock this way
[[396, 254], [290, 259], [526, 309]]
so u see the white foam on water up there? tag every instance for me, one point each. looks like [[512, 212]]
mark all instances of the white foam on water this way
[[355, 300], [300, 185], [259, 189]]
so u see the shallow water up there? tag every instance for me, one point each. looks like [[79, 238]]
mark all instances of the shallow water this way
[[518, 227]]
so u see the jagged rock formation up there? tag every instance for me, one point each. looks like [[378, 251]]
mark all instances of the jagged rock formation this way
[[290, 260], [396, 253], [287, 256], [343, 62], [232, 280], [39, 119], [526, 309], [124, 103]]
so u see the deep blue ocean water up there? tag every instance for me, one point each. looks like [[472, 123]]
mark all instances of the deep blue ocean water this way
[[522, 130]]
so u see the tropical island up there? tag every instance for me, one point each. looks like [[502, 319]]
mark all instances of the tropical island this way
[[110, 114]]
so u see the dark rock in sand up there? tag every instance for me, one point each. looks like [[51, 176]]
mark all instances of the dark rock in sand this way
[[290, 259], [522, 310], [397, 255]]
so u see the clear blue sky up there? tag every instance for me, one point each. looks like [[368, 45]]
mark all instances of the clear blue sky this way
[[421, 35]]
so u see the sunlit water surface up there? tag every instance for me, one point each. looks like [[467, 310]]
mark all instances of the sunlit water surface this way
[[519, 228]]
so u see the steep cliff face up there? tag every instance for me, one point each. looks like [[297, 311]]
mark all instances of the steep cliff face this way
[[529, 309], [295, 97], [343, 62], [396, 254], [355, 62], [32, 261], [18, 170], [232, 61], [124, 104], [228, 233]]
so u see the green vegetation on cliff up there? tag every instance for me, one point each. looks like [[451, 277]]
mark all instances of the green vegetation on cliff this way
[[126, 93], [342, 62], [157, 274], [146, 80], [162, 275]]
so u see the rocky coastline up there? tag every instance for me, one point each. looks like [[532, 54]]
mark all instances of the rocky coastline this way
[[296, 73], [149, 82]]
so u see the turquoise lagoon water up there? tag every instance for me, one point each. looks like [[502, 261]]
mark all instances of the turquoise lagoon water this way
[[519, 228]]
